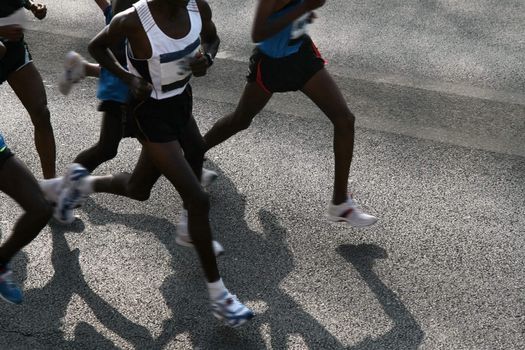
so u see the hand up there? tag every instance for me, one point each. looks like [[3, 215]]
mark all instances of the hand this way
[[199, 65], [39, 10], [13, 32], [313, 4], [140, 88]]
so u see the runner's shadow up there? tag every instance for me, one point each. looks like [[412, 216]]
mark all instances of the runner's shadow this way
[[406, 333], [38, 322], [253, 267]]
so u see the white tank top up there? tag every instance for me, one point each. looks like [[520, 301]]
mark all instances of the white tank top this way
[[168, 68]]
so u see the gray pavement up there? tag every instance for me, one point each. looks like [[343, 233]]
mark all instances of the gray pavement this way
[[437, 88]]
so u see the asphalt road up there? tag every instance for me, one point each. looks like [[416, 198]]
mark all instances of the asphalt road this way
[[438, 91]]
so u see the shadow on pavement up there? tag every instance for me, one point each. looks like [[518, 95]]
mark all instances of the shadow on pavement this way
[[406, 333], [254, 266]]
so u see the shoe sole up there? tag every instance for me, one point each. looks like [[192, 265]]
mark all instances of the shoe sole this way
[[225, 321], [340, 219]]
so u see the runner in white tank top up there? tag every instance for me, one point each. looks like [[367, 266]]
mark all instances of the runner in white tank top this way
[[168, 41]]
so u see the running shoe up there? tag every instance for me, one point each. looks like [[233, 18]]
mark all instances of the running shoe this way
[[231, 311], [74, 71], [350, 212], [73, 193], [9, 291], [183, 237], [208, 177]]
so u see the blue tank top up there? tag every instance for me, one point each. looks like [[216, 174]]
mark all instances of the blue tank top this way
[[289, 39]]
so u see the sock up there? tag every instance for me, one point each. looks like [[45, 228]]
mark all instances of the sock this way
[[216, 289], [87, 186]]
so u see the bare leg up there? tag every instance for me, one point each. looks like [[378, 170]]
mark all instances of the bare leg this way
[[169, 159], [252, 101], [107, 146], [136, 186], [18, 183], [323, 91], [28, 86]]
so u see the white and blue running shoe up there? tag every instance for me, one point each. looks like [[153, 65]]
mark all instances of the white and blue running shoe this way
[[9, 291], [73, 193], [231, 311]]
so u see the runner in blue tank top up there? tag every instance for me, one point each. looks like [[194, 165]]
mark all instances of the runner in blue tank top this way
[[286, 59]]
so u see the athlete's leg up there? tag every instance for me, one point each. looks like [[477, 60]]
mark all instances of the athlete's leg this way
[[252, 101], [169, 159], [28, 86], [107, 146], [193, 145], [18, 183], [136, 185], [323, 91]]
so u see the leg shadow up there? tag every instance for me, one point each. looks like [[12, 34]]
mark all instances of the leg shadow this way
[[406, 333]]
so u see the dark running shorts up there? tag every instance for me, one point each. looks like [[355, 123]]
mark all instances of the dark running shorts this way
[[16, 57], [5, 152], [117, 110], [161, 120], [288, 73]]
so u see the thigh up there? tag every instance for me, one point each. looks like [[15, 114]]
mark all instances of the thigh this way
[[28, 86], [190, 137], [19, 183], [111, 128], [169, 159], [325, 93]]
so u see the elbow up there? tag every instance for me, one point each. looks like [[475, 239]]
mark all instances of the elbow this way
[[256, 37]]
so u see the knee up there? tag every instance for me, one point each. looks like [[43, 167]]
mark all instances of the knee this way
[[138, 193], [107, 153], [346, 121]]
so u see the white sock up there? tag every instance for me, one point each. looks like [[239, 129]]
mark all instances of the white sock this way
[[88, 184], [216, 289]]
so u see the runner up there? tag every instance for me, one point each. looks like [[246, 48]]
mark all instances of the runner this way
[[17, 182], [17, 68], [164, 49], [286, 59]]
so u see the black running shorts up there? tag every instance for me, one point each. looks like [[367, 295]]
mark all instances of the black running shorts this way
[[16, 57], [288, 73], [161, 120]]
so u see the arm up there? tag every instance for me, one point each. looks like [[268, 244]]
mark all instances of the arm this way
[[209, 41], [264, 28], [102, 4], [118, 30], [121, 5]]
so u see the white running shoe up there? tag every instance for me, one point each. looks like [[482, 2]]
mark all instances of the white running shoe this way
[[74, 71], [52, 188], [231, 311], [73, 193], [183, 237], [208, 177], [350, 212]]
